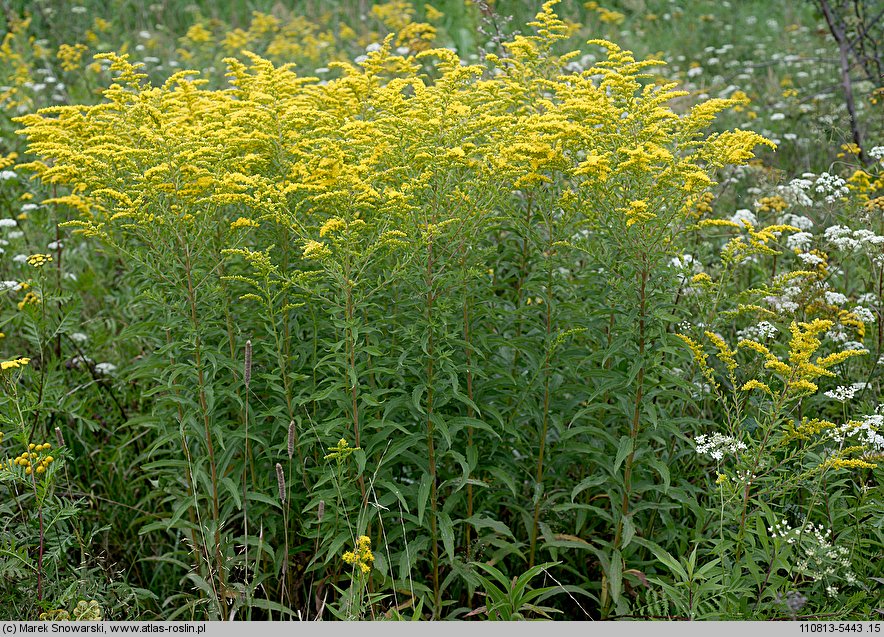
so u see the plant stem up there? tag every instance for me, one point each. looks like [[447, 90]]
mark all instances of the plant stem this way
[[190, 486], [431, 450], [351, 377], [545, 426], [636, 415], [210, 447], [470, 411]]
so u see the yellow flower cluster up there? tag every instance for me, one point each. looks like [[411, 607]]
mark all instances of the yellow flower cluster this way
[[71, 56], [369, 143], [340, 451], [17, 48], [14, 364], [39, 260], [701, 358], [772, 204], [755, 242], [243, 222], [799, 374], [849, 463], [283, 35], [315, 250], [34, 460], [332, 225], [361, 558], [7, 160], [606, 16], [699, 205], [808, 429], [30, 299], [756, 384]]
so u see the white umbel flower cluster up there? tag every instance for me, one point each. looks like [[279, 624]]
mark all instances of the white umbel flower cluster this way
[[717, 445]]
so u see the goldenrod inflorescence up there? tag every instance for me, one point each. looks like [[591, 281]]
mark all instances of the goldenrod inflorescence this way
[[361, 558], [362, 147]]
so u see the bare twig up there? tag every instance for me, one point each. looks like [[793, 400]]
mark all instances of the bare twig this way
[[837, 28]]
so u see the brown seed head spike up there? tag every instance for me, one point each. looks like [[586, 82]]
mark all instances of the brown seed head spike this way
[[58, 437], [291, 446], [247, 376], [280, 482]]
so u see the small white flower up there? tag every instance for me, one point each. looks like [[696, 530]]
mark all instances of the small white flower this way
[[810, 259], [865, 314], [105, 368], [841, 237], [746, 215], [762, 331], [766, 329], [835, 298], [799, 221], [717, 444], [799, 241], [79, 337], [842, 394]]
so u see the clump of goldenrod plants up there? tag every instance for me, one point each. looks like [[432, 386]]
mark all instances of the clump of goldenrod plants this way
[[419, 328]]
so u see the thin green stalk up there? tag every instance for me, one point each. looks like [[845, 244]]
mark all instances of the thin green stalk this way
[[190, 486], [635, 427], [545, 425], [247, 378], [210, 447], [470, 411], [637, 404], [523, 277], [431, 450], [351, 377]]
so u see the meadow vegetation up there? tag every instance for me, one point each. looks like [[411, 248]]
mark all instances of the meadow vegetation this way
[[471, 310]]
